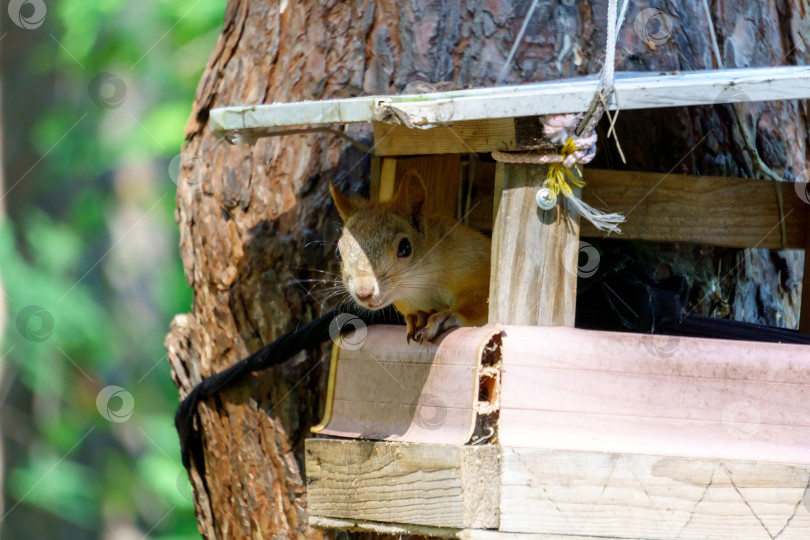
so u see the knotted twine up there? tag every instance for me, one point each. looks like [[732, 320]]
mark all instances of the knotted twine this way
[[575, 135]]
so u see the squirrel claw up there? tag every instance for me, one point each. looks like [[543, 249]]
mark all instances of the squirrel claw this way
[[436, 324], [410, 325], [415, 324]]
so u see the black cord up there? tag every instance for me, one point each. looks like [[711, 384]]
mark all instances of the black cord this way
[[336, 322]]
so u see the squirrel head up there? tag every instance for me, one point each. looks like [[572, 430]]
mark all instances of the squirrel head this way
[[382, 244]]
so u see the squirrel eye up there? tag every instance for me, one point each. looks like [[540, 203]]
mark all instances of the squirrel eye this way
[[337, 254], [404, 249]]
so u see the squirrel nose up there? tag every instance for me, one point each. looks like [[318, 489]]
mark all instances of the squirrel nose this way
[[364, 287], [364, 292]]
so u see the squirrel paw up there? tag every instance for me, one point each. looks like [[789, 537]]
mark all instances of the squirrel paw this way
[[436, 324], [414, 322]]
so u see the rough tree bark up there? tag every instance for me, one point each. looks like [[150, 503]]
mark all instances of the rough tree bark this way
[[256, 222]]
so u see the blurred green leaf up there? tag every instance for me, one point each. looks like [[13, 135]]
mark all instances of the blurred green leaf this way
[[107, 327], [57, 485]]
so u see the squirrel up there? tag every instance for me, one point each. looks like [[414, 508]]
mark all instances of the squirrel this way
[[433, 269]]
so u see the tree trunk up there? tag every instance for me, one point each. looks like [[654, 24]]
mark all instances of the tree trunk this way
[[256, 222]]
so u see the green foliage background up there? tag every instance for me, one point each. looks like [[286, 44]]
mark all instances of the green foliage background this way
[[106, 294]]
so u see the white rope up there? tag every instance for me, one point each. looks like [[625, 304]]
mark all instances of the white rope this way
[[600, 220], [610, 49], [579, 129]]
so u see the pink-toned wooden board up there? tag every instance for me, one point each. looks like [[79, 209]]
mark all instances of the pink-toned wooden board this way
[[571, 389], [390, 390]]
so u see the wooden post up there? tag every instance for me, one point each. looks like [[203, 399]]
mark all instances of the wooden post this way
[[422, 484], [534, 253]]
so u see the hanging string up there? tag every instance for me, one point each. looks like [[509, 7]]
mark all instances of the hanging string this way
[[576, 138]]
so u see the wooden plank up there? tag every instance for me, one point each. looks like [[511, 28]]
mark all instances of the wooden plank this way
[[633, 91], [355, 525], [467, 137], [388, 177], [709, 210], [534, 254], [551, 494], [358, 525], [637, 496], [430, 485], [440, 173], [477, 534], [480, 213], [376, 178], [573, 389], [385, 388]]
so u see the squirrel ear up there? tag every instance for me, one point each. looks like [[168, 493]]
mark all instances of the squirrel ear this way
[[410, 197], [345, 207]]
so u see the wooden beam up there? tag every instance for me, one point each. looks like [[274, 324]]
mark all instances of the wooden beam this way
[[678, 208], [440, 173], [477, 534], [534, 253], [550, 494], [652, 497], [430, 485], [633, 91], [356, 525], [709, 210], [388, 179], [574, 389], [376, 178], [359, 525], [381, 387], [467, 137]]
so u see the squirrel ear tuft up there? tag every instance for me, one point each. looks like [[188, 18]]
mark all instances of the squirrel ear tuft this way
[[410, 197], [345, 207]]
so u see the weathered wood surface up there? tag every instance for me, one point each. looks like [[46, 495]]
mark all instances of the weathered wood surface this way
[[497, 535], [706, 210], [433, 485], [534, 253], [679, 208], [461, 138], [635, 496], [396, 529], [441, 532], [633, 90], [552, 494], [385, 388], [568, 388], [441, 175]]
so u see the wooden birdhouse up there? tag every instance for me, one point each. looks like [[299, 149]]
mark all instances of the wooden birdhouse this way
[[528, 427]]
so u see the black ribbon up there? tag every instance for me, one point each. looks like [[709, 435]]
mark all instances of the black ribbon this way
[[305, 336]]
